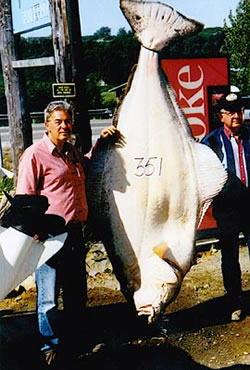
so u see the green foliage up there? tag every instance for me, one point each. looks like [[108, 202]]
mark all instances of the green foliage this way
[[6, 184], [93, 90], [109, 59], [36, 47], [121, 32], [38, 80], [205, 44], [236, 45], [102, 33], [39, 87], [109, 99]]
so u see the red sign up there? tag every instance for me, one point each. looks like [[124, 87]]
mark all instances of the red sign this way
[[190, 79]]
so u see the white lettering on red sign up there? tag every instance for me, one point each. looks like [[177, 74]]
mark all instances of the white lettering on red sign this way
[[195, 103]]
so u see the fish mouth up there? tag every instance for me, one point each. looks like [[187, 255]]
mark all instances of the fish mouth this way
[[151, 312]]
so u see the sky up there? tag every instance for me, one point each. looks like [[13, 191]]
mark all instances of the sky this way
[[95, 14]]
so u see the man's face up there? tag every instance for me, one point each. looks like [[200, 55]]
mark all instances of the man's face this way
[[59, 126], [231, 120]]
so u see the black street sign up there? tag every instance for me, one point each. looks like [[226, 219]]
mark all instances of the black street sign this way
[[64, 90]]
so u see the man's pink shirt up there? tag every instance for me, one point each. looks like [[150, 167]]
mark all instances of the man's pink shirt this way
[[43, 171]]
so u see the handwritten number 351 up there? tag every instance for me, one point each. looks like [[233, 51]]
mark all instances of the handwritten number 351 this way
[[148, 166]]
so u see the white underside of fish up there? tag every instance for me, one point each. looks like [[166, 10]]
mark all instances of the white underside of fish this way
[[155, 187], [153, 190]]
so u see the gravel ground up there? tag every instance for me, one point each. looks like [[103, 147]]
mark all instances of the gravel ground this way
[[200, 333]]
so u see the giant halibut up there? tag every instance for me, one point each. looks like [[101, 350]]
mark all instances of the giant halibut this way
[[148, 194]]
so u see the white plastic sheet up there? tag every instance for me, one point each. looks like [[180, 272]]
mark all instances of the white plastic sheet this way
[[21, 255]]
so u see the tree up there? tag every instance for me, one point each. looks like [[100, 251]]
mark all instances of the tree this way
[[236, 45], [102, 33], [121, 32], [109, 60]]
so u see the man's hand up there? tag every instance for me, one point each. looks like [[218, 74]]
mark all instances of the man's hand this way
[[113, 135], [109, 131]]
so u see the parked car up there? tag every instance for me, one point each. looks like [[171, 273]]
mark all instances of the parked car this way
[[100, 113]]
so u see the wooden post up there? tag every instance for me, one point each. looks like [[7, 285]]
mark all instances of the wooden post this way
[[82, 127], [26, 124], [60, 39], [67, 44], [11, 83]]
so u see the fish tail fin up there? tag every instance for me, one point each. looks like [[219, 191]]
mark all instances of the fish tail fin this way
[[156, 24]]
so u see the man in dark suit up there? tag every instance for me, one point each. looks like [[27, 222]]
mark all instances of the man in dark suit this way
[[231, 142]]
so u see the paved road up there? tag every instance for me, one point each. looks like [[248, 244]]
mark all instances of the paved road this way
[[38, 129]]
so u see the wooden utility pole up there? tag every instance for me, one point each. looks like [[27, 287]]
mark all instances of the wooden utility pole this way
[[60, 39], [26, 124], [67, 43], [12, 84], [82, 126]]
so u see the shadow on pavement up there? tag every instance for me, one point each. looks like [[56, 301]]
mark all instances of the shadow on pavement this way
[[129, 343], [216, 311]]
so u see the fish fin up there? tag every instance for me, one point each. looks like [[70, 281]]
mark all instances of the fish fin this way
[[155, 23], [161, 249], [212, 176]]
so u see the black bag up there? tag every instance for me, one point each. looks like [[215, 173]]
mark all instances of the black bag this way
[[27, 214]]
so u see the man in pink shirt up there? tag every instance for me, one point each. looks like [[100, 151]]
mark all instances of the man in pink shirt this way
[[53, 167]]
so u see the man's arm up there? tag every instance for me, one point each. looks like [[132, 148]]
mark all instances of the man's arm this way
[[27, 174]]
